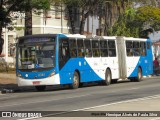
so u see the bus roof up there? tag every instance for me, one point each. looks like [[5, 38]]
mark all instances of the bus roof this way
[[38, 35], [83, 36], [75, 36], [133, 39]]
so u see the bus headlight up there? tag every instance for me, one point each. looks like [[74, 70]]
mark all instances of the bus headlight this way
[[19, 75], [52, 74]]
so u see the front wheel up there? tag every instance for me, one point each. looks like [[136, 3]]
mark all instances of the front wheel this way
[[40, 88], [108, 78], [75, 83]]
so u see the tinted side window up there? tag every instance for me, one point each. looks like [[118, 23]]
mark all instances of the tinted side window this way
[[80, 48], [73, 47], [104, 48], [136, 49], [111, 48], [95, 48], [143, 48], [129, 48], [87, 48]]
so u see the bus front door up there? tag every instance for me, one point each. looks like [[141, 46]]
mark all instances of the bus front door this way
[[63, 52]]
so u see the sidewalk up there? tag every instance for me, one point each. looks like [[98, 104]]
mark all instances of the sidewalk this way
[[7, 80], [8, 75]]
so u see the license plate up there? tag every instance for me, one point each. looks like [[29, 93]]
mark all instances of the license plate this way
[[36, 82]]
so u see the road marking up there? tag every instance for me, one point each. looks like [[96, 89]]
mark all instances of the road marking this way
[[133, 88], [6, 96], [127, 101], [46, 100]]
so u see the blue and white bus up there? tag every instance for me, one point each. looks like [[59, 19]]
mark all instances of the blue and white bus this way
[[59, 59]]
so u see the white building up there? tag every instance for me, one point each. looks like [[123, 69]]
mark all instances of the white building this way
[[55, 21]]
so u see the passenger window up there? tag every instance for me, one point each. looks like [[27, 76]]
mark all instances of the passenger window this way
[[129, 48], [73, 47], [111, 48], [80, 48], [143, 48], [104, 48], [136, 49], [95, 48], [87, 47], [65, 51]]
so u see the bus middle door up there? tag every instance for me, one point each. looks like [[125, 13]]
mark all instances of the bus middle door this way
[[63, 52]]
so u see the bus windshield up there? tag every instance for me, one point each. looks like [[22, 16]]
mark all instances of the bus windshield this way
[[36, 55]]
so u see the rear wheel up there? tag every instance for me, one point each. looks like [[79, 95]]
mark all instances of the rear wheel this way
[[40, 88], [114, 81], [107, 80], [75, 83], [139, 75]]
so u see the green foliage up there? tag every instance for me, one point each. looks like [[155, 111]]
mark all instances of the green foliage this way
[[19, 28], [8, 6], [126, 25], [41, 4], [149, 15], [133, 21]]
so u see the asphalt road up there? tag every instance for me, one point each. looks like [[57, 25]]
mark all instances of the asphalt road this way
[[94, 98]]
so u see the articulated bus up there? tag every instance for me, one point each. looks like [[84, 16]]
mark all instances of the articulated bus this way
[[60, 59]]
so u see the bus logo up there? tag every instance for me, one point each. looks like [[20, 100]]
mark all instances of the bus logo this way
[[42, 74]]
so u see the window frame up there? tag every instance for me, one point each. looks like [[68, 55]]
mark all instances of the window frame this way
[[73, 48], [103, 49], [80, 48], [95, 49], [136, 49], [129, 48], [89, 48], [112, 49]]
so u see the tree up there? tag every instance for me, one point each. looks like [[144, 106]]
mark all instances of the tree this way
[[150, 16], [28, 6], [134, 21], [107, 10], [126, 25], [112, 10], [86, 8], [71, 5], [6, 6]]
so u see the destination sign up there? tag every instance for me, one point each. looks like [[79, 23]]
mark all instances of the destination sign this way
[[34, 40]]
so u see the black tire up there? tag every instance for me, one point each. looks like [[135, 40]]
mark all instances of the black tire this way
[[75, 83], [108, 78], [132, 79], [114, 81], [40, 88], [139, 75]]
